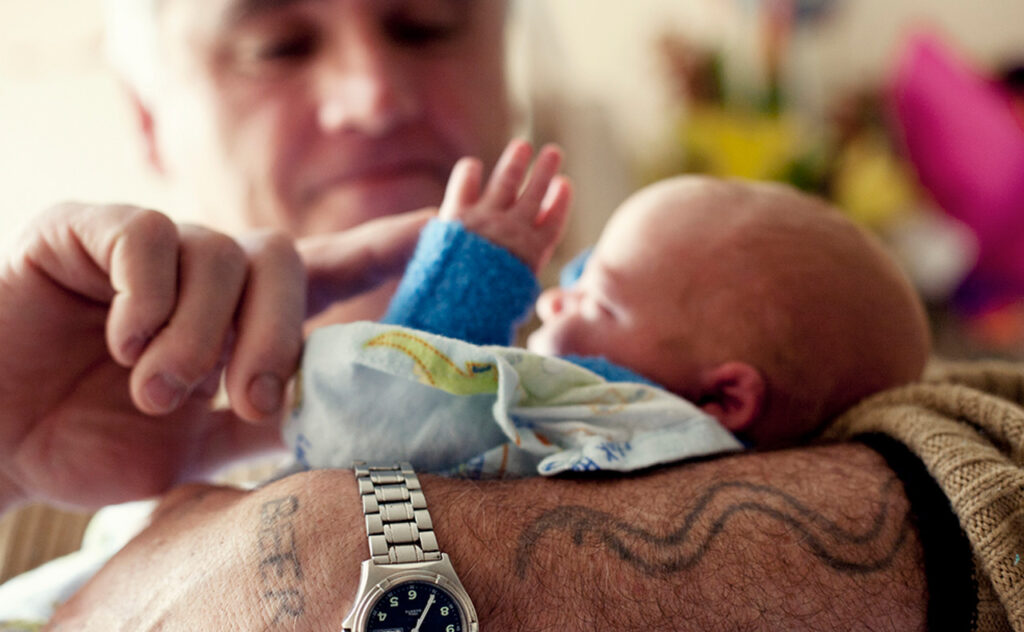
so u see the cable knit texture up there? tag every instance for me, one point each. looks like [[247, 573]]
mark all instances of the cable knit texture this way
[[965, 421]]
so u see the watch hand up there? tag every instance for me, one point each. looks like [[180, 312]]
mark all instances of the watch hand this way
[[423, 615]]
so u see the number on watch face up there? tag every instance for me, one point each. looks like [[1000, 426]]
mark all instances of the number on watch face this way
[[412, 604]]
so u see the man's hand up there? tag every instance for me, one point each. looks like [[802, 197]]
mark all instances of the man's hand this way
[[115, 328], [521, 210], [348, 264]]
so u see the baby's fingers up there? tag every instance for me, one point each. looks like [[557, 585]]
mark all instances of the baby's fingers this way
[[463, 188], [545, 167], [503, 187], [553, 216]]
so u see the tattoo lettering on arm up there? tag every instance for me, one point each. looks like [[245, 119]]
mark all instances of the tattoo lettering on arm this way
[[870, 549], [280, 570]]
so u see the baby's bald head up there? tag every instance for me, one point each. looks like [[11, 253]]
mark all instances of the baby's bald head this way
[[765, 275]]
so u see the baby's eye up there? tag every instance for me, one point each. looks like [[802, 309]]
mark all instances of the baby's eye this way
[[593, 308]]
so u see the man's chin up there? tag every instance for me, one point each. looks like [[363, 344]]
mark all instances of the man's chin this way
[[344, 207]]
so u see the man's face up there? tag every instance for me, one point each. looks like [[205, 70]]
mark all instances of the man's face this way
[[316, 115]]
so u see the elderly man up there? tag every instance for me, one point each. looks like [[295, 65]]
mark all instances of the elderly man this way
[[329, 122]]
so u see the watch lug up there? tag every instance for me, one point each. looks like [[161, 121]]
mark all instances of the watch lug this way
[[364, 573]]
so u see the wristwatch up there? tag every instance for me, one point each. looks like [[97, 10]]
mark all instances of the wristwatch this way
[[407, 585]]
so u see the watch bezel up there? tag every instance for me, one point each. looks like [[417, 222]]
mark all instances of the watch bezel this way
[[377, 579]]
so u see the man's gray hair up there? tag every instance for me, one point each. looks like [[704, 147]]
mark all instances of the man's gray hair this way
[[132, 43]]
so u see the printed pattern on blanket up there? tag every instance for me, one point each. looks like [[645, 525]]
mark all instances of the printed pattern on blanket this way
[[368, 390]]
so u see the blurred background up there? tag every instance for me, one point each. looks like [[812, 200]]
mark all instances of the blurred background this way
[[909, 114]]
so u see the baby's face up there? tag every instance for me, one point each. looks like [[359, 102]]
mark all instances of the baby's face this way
[[626, 304]]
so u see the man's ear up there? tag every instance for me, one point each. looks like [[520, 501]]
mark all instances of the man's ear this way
[[146, 126], [734, 394]]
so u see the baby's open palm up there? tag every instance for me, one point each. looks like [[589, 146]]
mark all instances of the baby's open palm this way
[[520, 209]]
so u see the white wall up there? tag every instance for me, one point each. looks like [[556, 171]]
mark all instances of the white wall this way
[[65, 132]]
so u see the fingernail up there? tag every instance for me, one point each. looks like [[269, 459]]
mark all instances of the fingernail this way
[[265, 392], [132, 348], [164, 392]]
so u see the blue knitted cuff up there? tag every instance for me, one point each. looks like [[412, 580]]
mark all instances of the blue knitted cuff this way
[[462, 286]]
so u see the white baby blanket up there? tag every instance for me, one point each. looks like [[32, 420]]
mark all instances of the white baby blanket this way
[[381, 392]]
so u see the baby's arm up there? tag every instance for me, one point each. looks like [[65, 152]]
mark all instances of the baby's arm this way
[[521, 210], [474, 278]]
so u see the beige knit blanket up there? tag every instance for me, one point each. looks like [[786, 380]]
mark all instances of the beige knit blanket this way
[[966, 423]]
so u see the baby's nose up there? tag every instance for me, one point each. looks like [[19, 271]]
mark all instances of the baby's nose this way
[[551, 303]]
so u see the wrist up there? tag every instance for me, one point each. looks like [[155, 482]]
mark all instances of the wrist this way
[[321, 513], [476, 524], [470, 522]]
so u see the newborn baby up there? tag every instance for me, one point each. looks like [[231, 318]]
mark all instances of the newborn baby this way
[[761, 311]]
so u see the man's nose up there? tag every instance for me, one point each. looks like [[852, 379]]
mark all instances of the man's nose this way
[[363, 84]]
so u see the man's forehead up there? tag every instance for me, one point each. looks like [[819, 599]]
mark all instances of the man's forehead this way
[[236, 11], [228, 13]]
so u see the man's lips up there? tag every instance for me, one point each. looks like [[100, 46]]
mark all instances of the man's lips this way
[[369, 175]]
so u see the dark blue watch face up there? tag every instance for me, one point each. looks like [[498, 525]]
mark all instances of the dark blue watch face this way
[[415, 607]]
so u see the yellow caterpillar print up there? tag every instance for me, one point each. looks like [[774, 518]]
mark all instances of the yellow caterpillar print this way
[[436, 369]]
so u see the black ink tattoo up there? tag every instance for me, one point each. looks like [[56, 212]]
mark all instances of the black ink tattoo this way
[[279, 567], [841, 549]]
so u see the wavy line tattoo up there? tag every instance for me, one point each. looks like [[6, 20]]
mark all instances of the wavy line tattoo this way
[[842, 549]]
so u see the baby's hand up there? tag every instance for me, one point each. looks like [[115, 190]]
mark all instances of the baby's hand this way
[[527, 220]]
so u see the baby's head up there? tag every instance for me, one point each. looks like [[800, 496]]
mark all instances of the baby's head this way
[[766, 307]]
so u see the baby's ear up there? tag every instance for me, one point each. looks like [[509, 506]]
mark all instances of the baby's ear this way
[[733, 393]]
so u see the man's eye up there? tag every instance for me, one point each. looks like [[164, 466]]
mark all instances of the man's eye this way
[[261, 50], [417, 33], [295, 48]]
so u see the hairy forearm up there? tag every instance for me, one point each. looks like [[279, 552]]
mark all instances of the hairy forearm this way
[[816, 539], [811, 539]]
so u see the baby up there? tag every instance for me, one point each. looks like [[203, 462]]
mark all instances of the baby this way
[[764, 308]]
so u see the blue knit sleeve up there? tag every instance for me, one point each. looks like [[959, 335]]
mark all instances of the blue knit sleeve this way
[[462, 286]]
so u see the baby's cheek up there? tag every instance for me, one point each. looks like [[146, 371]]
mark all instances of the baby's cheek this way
[[564, 336], [548, 339]]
